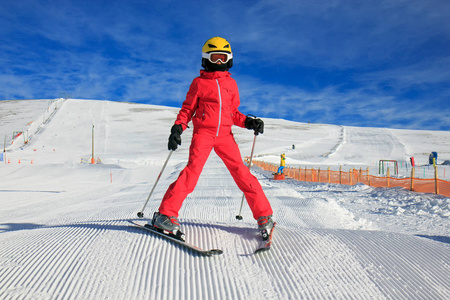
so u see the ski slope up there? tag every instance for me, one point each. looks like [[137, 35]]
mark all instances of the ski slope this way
[[64, 230]]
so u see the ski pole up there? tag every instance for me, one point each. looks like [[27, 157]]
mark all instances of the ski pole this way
[[141, 213], [239, 217]]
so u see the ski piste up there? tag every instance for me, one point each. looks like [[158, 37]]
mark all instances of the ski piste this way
[[265, 244], [181, 242]]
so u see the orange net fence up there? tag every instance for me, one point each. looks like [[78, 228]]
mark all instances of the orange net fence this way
[[353, 176]]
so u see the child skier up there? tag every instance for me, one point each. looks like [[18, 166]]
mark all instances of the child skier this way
[[212, 104], [282, 164]]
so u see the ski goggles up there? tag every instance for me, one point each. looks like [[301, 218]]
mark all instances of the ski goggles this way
[[214, 57]]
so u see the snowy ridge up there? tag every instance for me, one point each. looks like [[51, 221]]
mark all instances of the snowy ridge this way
[[64, 230]]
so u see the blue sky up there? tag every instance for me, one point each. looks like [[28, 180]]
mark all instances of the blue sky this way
[[356, 62]]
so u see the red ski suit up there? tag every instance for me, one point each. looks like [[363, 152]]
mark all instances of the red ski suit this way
[[212, 104]]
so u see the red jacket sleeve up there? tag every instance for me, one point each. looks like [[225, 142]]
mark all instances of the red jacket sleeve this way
[[189, 106], [238, 117]]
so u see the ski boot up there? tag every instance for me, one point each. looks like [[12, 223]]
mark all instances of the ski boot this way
[[265, 225], [167, 225]]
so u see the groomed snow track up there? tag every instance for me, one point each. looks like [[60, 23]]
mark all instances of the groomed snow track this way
[[102, 257]]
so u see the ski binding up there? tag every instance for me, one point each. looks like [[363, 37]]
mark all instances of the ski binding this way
[[265, 244]]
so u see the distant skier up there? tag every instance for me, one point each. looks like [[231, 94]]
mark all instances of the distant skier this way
[[282, 164], [212, 104]]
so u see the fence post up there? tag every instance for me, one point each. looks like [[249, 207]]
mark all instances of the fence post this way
[[312, 175], [368, 177], [413, 174], [340, 174], [388, 173], [436, 187], [329, 175], [350, 174], [318, 175]]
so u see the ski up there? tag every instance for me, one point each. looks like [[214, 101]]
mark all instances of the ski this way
[[178, 240], [264, 245]]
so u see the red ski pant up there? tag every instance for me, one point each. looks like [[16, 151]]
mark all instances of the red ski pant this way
[[227, 149]]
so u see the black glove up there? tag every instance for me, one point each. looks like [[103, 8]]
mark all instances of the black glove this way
[[175, 137], [256, 124]]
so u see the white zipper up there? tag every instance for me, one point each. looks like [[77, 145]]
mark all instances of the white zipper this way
[[220, 107]]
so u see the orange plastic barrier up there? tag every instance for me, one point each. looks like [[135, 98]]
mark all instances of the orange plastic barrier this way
[[431, 185], [444, 187]]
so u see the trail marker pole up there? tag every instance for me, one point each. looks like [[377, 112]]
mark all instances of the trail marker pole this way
[[92, 158], [4, 149]]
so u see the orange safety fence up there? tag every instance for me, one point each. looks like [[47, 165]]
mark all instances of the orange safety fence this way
[[353, 176]]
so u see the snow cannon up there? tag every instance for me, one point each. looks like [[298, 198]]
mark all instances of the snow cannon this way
[[433, 158]]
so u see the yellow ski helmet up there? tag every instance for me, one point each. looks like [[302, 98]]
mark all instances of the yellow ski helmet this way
[[216, 44], [217, 55]]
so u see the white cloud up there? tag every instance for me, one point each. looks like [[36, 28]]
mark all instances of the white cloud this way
[[357, 107]]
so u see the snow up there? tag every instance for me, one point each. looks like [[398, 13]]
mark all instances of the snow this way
[[64, 230]]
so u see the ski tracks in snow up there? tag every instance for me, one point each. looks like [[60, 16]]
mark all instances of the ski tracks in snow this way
[[368, 140], [87, 251]]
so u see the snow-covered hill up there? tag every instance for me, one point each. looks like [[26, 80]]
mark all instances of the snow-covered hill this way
[[64, 232]]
